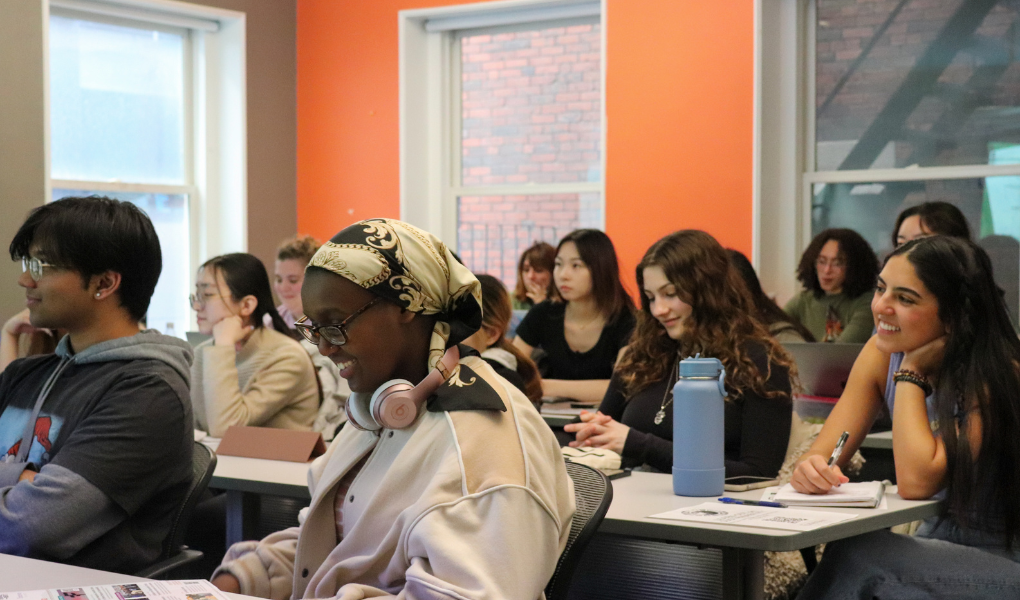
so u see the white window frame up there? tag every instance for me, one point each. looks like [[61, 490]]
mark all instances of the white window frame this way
[[430, 102], [785, 127], [215, 136]]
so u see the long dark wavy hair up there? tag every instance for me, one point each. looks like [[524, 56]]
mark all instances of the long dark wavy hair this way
[[980, 370], [768, 311], [599, 255], [721, 324], [245, 275], [861, 262], [496, 315]]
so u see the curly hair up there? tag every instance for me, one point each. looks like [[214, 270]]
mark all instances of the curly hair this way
[[721, 324], [301, 248], [861, 262], [940, 218], [541, 256]]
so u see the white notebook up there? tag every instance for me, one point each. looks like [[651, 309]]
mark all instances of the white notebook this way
[[866, 494]]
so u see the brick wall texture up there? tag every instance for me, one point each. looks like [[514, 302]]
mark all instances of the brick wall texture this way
[[531, 114]]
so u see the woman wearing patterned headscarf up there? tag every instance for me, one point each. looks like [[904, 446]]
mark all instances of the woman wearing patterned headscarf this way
[[470, 498]]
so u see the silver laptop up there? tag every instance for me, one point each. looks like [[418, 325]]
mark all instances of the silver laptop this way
[[823, 368], [195, 338]]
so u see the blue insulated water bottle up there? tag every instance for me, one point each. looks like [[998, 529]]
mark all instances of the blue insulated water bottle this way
[[699, 467]]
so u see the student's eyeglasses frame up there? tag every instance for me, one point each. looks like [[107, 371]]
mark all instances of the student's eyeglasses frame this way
[[335, 334], [35, 267]]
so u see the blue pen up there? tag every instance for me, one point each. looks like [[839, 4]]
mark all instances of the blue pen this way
[[727, 500]]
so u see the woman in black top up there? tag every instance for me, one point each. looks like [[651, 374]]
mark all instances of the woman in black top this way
[[694, 301], [584, 328]]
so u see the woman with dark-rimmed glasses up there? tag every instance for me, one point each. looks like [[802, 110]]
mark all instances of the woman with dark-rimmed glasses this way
[[445, 483]]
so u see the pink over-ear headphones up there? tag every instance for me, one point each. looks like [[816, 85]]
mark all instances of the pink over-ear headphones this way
[[397, 403]]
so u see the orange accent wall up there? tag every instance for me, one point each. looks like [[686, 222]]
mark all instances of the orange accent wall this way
[[679, 106]]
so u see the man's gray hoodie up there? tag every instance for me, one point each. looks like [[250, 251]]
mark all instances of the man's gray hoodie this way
[[109, 431]]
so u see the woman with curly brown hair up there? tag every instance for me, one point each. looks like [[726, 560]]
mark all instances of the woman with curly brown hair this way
[[838, 271], [694, 301]]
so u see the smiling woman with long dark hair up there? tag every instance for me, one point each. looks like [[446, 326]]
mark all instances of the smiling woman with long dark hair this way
[[946, 352], [694, 301]]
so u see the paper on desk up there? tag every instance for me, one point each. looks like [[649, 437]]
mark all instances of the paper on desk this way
[[755, 516], [769, 494], [864, 494], [151, 590]]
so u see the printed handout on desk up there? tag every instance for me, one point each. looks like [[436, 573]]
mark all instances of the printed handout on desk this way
[[195, 589], [717, 513]]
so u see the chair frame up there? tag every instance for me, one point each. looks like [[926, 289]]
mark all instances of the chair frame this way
[[175, 554], [581, 533]]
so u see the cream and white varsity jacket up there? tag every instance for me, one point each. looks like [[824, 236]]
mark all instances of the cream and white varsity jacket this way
[[464, 504]]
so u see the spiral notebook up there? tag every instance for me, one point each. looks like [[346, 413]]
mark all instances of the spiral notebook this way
[[864, 494]]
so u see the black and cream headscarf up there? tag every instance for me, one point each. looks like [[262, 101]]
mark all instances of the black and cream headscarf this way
[[411, 268]]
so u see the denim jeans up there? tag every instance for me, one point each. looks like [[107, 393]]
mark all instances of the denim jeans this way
[[883, 565]]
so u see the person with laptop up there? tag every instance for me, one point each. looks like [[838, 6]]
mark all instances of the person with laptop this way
[[945, 353], [96, 437], [694, 301], [838, 273]]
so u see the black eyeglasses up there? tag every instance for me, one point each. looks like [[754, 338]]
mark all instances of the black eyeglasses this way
[[335, 334]]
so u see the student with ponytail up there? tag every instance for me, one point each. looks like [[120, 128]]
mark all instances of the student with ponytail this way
[[247, 374], [512, 364]]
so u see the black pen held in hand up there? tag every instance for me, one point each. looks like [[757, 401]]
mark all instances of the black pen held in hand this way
[[839, 448]]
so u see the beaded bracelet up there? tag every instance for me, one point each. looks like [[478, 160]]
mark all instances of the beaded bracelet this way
[[915, 378]]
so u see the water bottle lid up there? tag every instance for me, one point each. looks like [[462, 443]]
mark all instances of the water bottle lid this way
[[701, 367]]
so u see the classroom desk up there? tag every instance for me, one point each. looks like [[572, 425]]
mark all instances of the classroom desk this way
[[245, 479], [19, 574], [881, 440], [643, 494], [634, 499]]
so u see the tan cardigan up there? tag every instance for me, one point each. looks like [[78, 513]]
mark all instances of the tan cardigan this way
[[270, 382], [463, 504]]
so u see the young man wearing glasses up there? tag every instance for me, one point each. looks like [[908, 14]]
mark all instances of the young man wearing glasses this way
[[96, 438]]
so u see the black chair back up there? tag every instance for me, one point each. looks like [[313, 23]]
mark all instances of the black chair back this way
[[175, 553], [592, 493]]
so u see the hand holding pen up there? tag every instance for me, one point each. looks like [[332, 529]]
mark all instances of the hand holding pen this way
[[816, 475]]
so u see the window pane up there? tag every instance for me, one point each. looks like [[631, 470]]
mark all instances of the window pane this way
[[169, 214], [991, 205], [493, 231], [911, 82], [116, 102], [532, 106]]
